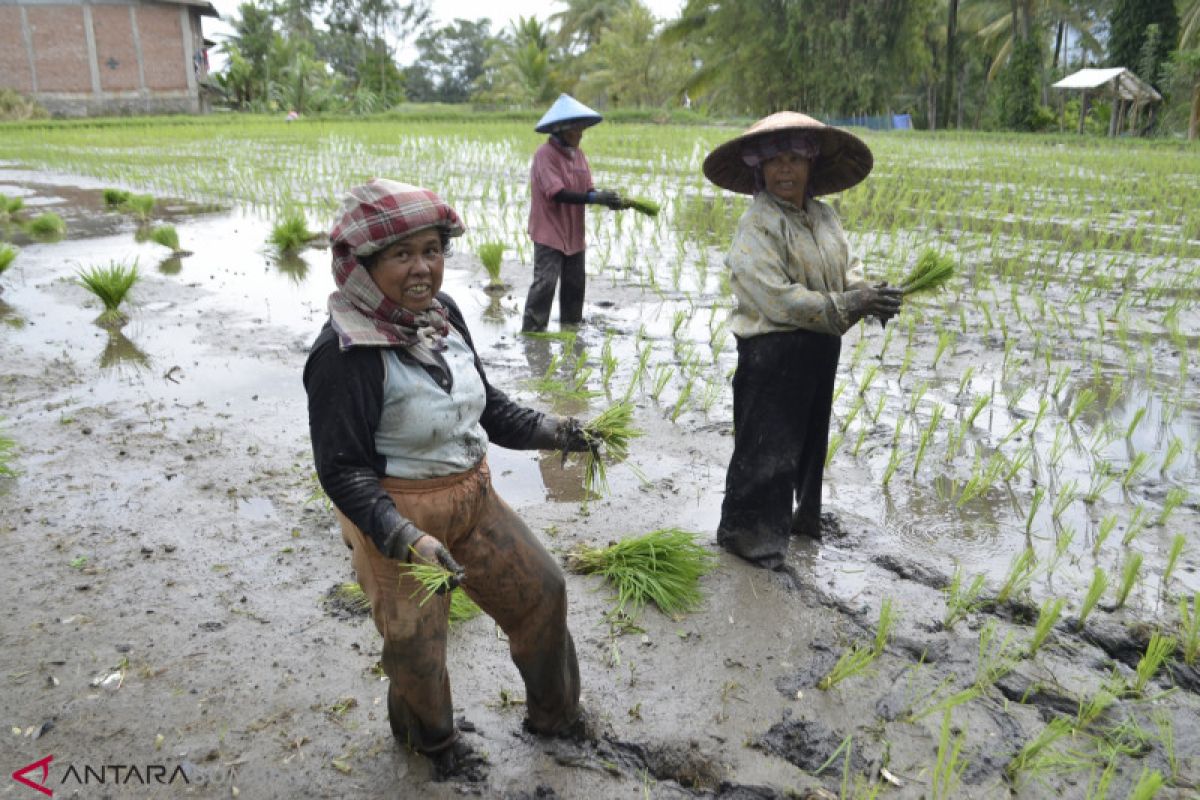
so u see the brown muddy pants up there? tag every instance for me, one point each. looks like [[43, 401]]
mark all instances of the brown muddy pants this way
[[508, 574]]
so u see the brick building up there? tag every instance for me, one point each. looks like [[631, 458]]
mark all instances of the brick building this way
[[93, 57]]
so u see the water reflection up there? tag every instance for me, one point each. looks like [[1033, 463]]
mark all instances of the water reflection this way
[[119, 352], [563, 480], [293, 266], [10, 317], [171, 266]]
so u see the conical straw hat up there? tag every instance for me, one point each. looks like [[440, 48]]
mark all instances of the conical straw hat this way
[[844, 159], [567, 112]]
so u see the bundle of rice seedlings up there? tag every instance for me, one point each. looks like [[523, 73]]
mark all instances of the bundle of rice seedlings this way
[[662, 567], [462, 607], [931, 272], [140, 205], [10, 205], [643, 206], [110, 284], [491, 253], [47, 225], [611, 428], [353, 596], [431, 579], [165, 235], [115, 198], [291, 232], [7, 449], [8, 254]]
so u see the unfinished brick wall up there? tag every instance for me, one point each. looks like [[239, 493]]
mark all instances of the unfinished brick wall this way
[[61, 46], [162, 47], [14, 58], [116, 52]]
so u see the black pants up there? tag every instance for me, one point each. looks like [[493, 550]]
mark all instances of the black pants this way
[[782, 399], [548, 265]]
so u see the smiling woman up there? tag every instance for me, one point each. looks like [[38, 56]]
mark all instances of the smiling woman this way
[[409, 272]]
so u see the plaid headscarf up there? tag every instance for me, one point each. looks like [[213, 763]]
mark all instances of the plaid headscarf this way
[[374, 216]]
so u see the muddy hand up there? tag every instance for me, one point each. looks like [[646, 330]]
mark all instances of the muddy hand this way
[[572, 437]]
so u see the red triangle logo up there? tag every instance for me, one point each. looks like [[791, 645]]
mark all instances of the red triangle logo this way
[[44, 765]]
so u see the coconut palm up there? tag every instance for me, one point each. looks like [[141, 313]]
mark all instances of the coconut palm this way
[[584, 21], [523, 66]]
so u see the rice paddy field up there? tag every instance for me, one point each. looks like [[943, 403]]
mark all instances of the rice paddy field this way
[[1012, 607]]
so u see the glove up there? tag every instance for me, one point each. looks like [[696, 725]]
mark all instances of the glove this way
[[572, 438], [610, 199], [875, 301], [433, 551], [883, 318]]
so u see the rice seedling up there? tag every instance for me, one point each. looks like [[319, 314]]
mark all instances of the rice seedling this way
[[611, 429], [643, 206], [1189, 629], [290, 232], [1136, 467], [961, 599], [1068, 493], [10, 206], [931, 272], [1133, 423], [110, 284], [462, 607], [431, 579], [1158, 650], [1029, 756], [8, 254], [352, 596], [1129, 576], [1147, 786], [662, 567], [46, 226], [997, 657], [1035, 502], [139, 205], [1173, 554], [8, 449], [853, 661], [949, 766], [167, 236], [1047, 617], [681, 402], [1095, 591], [1176, 496], [935, 420], [662, 374], [892, 465], [1105, 529], [1137, 522], [1166, 735], [115, 198], [1020, 575], [491, 254], [1098, 790]]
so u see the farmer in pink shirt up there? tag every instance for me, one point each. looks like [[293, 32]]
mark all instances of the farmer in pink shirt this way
[[560, 185]]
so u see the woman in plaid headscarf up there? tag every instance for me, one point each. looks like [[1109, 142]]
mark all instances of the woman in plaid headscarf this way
[[401, 414]]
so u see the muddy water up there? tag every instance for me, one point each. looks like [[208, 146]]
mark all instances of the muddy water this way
[[164, 528]]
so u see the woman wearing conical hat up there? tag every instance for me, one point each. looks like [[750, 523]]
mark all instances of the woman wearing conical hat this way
[[560, 185], [798, 288]]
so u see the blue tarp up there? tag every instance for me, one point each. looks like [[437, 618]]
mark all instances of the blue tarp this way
[[879, 122]]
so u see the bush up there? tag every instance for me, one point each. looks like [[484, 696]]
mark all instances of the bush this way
[[14, 106]]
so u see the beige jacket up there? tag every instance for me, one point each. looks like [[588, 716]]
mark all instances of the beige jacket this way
[[789, 267]]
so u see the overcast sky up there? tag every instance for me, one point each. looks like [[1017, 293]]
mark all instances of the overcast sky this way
[[500, 13]]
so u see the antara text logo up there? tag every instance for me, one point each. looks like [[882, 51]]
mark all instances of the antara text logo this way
[[38, 775]]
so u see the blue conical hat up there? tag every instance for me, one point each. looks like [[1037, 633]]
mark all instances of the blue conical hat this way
[[567, 112]]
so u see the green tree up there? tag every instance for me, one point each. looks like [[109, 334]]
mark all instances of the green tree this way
[[523, 68], [628, 67], [583, 22], [450, 60], [1129, 26]]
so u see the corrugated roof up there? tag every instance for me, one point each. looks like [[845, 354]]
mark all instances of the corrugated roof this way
[[206, 8], [1126, 85]]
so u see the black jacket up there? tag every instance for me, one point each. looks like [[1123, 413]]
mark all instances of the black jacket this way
[[345, 399]]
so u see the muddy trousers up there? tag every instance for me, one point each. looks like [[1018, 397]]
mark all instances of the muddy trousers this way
[[782, 399], [508, 574], [549, 265]]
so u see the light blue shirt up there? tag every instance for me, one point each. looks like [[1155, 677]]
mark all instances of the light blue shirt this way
[[425, 431]]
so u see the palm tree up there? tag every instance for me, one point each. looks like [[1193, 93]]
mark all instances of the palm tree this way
[[584, 21], [522, 68]]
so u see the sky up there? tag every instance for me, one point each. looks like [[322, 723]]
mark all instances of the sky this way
[[445, 12]]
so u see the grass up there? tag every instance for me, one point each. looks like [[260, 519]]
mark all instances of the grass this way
[[662, 567], [110, 284], [47, 225], [931, 272], [491, 254], [290, 232], [8, 254], [167, 236], [612, 429]]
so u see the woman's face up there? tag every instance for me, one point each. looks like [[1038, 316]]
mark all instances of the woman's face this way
[[572, 136], [409, 272], [786, 177]]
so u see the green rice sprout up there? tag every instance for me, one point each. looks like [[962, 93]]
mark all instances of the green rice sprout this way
[[46, 226], [353, 596], [430, 578], [612, 429], [167, 236], [10, 206], [1095, 591], [140, 205], [662, 567], [997, 657], [949, 767], [1149, 782], [1020, 575], [1157, 652], [1047, 617], [1189, 629], [1091, 709], [110, 284], [1174, 450], [1176, 496], [931, 272], [290, 232], [1129, 575], [643, 206], [883, 630], [961, 599], [8, 449], [853, 661], [1173, 554], [491, 254], [8, 254], [462, 607], [1032, 752], [1107, 526], [1166, 735], [115, 198]]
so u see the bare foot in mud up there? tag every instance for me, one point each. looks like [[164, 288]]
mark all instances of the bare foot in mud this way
[[459, 762]]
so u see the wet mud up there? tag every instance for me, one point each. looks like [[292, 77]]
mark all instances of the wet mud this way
[[172, 574]]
